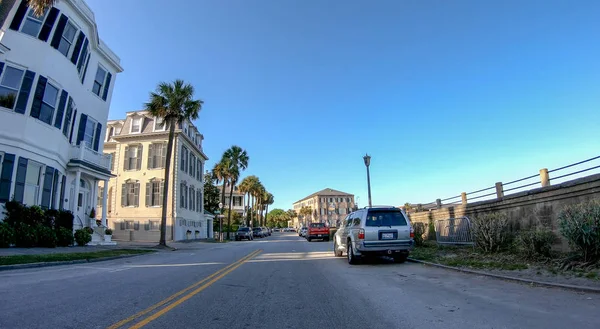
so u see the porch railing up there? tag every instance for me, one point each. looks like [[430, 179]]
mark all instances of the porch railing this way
[[82, 152]]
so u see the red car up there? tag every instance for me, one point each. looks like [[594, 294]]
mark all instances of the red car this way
[[317, 231]]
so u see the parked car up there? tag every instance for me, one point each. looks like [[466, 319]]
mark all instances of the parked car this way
[[277, 230], [374, 231], [292, 229], [302, 231], [317, 231], [257, 232], [244, 233], [266, 231]]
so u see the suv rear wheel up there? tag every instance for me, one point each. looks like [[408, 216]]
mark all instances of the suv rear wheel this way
[[352, 258]]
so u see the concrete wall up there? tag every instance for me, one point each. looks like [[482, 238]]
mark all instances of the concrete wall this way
[[526, 209]]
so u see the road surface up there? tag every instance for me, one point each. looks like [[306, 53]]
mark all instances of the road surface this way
[[279, 282]]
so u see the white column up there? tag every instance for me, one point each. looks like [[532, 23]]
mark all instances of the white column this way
[[104, 202], [76, 194]]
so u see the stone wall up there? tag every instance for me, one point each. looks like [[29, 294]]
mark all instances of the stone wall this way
[[527, 209]]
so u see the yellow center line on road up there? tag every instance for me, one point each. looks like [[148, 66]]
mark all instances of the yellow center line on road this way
[[226, 270]]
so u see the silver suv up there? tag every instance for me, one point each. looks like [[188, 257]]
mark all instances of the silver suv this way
[[374, 231]]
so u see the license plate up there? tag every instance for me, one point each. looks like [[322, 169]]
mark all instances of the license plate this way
[[319, 235], [387, 236]]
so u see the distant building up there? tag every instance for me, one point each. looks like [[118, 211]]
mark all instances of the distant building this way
[[328, 206], [138, 145], [239, 198]]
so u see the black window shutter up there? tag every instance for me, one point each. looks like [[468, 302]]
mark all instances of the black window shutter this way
[[24, 92], [63, 187], [148, 192], [61, 109], [87, 62], [1, 67], [72, 127], [81, 131], [38, 96], [19, 15], [48, 24], [77, 48], [47, 187], [54, 188], [84, 53], [20, 180], [62, 22], [97, 136], [106, 86], [68, 117], [162, 191], [8, 164], [124, 195]]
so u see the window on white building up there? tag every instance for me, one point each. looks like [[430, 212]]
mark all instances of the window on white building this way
[[192, 198], [183, 195], [99, 81], [199, 170], [48, 103], [192, 161], [136, 125], [32, 183], [33, 24], [67, 38], [184, 158], [89, 132], [9, 86]]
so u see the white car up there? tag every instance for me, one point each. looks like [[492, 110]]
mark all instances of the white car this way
[[303, 232]]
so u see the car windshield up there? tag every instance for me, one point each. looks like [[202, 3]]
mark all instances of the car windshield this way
[[243, 229], [385, 218], [256, 229], [317, 225]]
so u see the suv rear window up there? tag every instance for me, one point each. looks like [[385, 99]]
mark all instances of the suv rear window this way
[[243, 229], [385, 218], [317, 225]]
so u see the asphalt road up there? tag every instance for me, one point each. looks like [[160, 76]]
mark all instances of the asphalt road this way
[[285, 282]]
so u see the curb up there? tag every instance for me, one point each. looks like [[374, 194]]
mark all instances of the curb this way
[[66, 262], [511, 278]]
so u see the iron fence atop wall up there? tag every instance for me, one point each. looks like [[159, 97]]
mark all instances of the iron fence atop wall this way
[[542, 179]]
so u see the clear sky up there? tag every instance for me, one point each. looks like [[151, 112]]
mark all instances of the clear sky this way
[[447, 96]]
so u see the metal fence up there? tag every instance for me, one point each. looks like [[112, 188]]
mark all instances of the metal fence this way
[[544, 178], [454, 231]]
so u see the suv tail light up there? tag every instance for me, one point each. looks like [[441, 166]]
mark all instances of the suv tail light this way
[[412, 233], [361, 234]]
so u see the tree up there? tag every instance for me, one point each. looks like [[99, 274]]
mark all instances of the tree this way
[[269, 199], [304, 212], [211, 194], [278, 217], [246, 186], [174, 103], [259, 196], [237, 158], [220, 173]]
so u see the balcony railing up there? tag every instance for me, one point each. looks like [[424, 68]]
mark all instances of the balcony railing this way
[[82, 152]]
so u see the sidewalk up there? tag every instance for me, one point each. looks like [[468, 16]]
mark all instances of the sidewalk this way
[[193, 245]]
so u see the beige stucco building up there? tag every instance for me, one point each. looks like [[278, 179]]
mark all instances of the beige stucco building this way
[[138, 148], [328, 206]]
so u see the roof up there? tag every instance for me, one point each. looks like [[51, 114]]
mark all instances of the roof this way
[[326, 192]]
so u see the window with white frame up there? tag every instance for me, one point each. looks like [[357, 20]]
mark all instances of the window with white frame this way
[[67, 39], [199, 170], [99, 81], [157, 155], [184, 158], [48, 103], [192, 161], [154, 193], [33, 24], [136, 125], [10, 85], [154, 225], [32, 183], [192, 198], [89, 132], [133, 157], [159, 124], [183, 195], [131, 194], [199, 200]]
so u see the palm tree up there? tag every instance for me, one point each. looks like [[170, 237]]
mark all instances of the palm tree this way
[[221, 172], [255, 186], [304, 212], [173, 103], [269, 199], [246, 187], [259, 192], [238, 161]]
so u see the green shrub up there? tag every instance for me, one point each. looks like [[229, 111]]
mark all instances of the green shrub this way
[[580, 225], [83, 236], [431, 230], [64, 219], [108, 231], [419, 230], [7, 235], [14, 211], [46, 237], [490, 232], [64, 237], [25, 235], [535, 243]]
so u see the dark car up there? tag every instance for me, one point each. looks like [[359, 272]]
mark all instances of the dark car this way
[[244, 233]]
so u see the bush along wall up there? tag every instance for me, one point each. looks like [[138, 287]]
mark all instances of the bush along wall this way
[[35, 227]]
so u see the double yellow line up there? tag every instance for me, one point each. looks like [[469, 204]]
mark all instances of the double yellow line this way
[[200, 285]]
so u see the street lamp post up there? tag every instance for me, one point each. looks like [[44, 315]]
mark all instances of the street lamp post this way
[[367, 159], [221, 222]]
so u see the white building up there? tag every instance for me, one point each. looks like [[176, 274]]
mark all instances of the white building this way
[[56, 82]]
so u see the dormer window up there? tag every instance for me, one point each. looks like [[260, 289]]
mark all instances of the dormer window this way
[[159, 124], [136, 125]]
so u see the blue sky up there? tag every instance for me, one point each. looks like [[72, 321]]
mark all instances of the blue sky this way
[[447, 96]]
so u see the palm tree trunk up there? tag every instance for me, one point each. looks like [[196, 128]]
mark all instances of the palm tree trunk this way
[[222, 209], [165, 199], [266, 213], [230, 208], [247, 219]]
